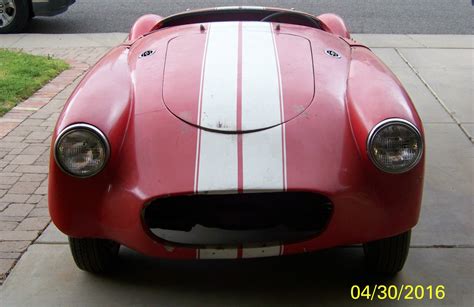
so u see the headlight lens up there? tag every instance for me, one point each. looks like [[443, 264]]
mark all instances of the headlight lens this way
[[81, 150], [395, 146]]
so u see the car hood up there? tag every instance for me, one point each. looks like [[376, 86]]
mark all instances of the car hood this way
[[238, 76]]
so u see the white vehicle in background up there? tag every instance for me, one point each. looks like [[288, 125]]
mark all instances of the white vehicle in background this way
[[15, 14]]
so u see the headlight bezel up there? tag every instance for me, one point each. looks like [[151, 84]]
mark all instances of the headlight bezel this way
[[380, 126], [89, 128]]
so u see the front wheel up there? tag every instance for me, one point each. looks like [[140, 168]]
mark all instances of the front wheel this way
[[14, 15], [387, 256], [94, 255]]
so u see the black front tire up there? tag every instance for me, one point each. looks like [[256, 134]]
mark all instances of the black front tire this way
[[387, 256], [94, 255], [21, 19]]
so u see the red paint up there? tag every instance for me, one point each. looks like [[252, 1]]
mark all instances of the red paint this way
[[153, 153], [296, 65], [239, 252], [334, 24], [143, 25]]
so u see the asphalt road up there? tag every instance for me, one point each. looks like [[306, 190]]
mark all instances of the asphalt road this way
[[368, 16]]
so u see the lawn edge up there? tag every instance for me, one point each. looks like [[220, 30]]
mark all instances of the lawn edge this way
[[41, 97]]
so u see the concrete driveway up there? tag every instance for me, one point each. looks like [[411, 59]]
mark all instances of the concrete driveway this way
[[437, 71]]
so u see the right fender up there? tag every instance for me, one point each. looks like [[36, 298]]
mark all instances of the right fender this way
[[334, 24], [374, 94]]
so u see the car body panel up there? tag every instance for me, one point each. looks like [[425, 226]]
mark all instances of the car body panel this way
[[261, 67], [335, 25], [321, 149], [143, 25]]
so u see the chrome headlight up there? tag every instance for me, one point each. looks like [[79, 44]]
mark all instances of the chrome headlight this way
[[81, 150], [395, 146]]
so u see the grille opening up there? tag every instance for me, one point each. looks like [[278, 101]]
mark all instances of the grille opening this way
[[236, 219]]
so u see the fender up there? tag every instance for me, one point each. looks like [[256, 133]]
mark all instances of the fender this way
[[373, 93], [143, 25], [334, 24], [369, 84], [102, 99]]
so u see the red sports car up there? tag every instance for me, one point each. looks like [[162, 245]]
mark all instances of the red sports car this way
[[237, 132]]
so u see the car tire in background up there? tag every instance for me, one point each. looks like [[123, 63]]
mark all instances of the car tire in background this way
[[387, 256], [94, 255], [14, 15]]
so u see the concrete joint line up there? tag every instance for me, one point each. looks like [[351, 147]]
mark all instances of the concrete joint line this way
[[440, 101]]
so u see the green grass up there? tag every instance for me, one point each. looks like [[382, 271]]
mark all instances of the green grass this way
[[23, 74]]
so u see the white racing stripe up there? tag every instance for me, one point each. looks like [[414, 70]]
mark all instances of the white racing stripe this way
[[262, 160], [262, 151], [219, 92], [264, 251], [217, 162], [217, 166], [247, 252], [260, 86], [213, 253]]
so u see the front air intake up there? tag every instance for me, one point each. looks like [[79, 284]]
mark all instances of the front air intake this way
[[243, 218]]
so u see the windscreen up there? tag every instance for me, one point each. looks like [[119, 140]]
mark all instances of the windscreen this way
[[241, 14]]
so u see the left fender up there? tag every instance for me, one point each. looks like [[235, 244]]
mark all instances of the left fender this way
[[143, 25], [374, 94]]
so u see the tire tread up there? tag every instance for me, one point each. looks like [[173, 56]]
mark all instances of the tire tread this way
[[94, 255], [387, 256]]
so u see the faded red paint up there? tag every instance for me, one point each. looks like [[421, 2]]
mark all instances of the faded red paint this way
[[143, 25]]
